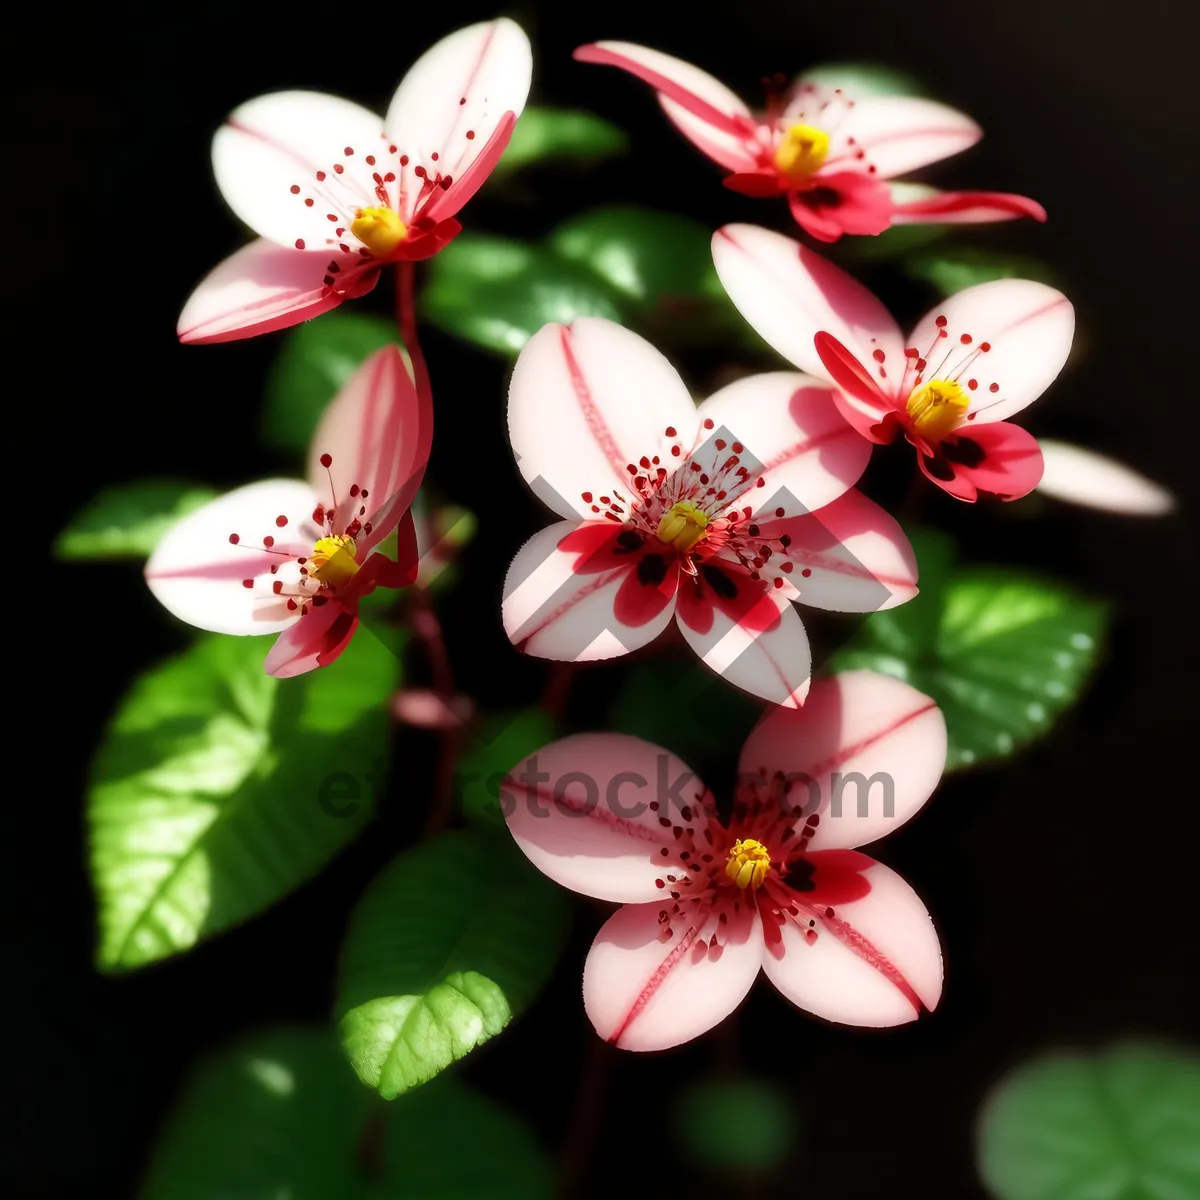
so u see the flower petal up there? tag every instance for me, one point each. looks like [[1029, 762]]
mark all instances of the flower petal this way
[[462, 85], [1027, 328], [857, 729], [315, 640], [790, 425], [279, 142], [646, 992], [999, 460], [197, 573], [597, 812], [378, 432], [748, 633], [470, 178], [962, 208], [789, 293], [605, 395], [875, 962], [1081, 476], [261, 288], [850, 556], [568, 596], [901, 133]]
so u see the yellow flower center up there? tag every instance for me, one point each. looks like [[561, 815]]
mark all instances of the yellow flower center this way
[[332, 560], [801, 152], [937, 408], [748, 863], [379, 229], [682, 525]]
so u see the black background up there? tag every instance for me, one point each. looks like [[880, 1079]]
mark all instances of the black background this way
[[1062, 885]]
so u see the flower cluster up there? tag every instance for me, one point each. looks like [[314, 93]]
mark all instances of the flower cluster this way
[[717, 517]]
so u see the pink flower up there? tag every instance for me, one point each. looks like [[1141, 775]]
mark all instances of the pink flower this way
[[830, 155], [779, 885], [719, 516], [335, 197], [294, 558], [976, 358]]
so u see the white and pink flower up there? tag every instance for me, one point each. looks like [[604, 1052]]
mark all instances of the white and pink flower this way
[[718, 516], [777, 884], [972, 361], [293, 557], [335, 193], [832, 157]]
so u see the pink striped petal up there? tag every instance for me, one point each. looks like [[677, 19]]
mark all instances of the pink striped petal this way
[[263, 287], [790, 425], [961, 208], [278, 142], [315, 640], [998, 460], [850, 556], [646, 992], [562, 599], [789, 293], [1081, 476], [597, 812], [457, 94], [755, 641], [586, 401], [378, 432], [901, 133], [875, 962], [471, 177], [1027, 328], [197, 573], [868, 749]]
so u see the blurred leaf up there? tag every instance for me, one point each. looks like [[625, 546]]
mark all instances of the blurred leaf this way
[[448, 944], [127, 519], [739, 1124], [895, 242], [497, 293], [451, 1143], [317, 358], [1120, 1125], [861, 80], [659, 701], [218, 789], [443, 531], [542, 133], [498, 742], [952, 269], [278, 1117], [1003, 654]]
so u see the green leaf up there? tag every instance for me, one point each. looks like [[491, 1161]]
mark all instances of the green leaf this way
[[127, 519], [447, 946], [736, 1124], [952, 269], [218, 789], [317, 358], [861, 80], [560, 133], [1120, 1125], [896, 242], [498, 742], [1002, 653], [450, 1143], [497, 293], [278, 1116]]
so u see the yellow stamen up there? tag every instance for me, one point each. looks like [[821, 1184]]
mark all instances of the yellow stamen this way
[[937, 408], [682, 525], [802, 152], [332, 560], [748, 863], [379, 229]]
